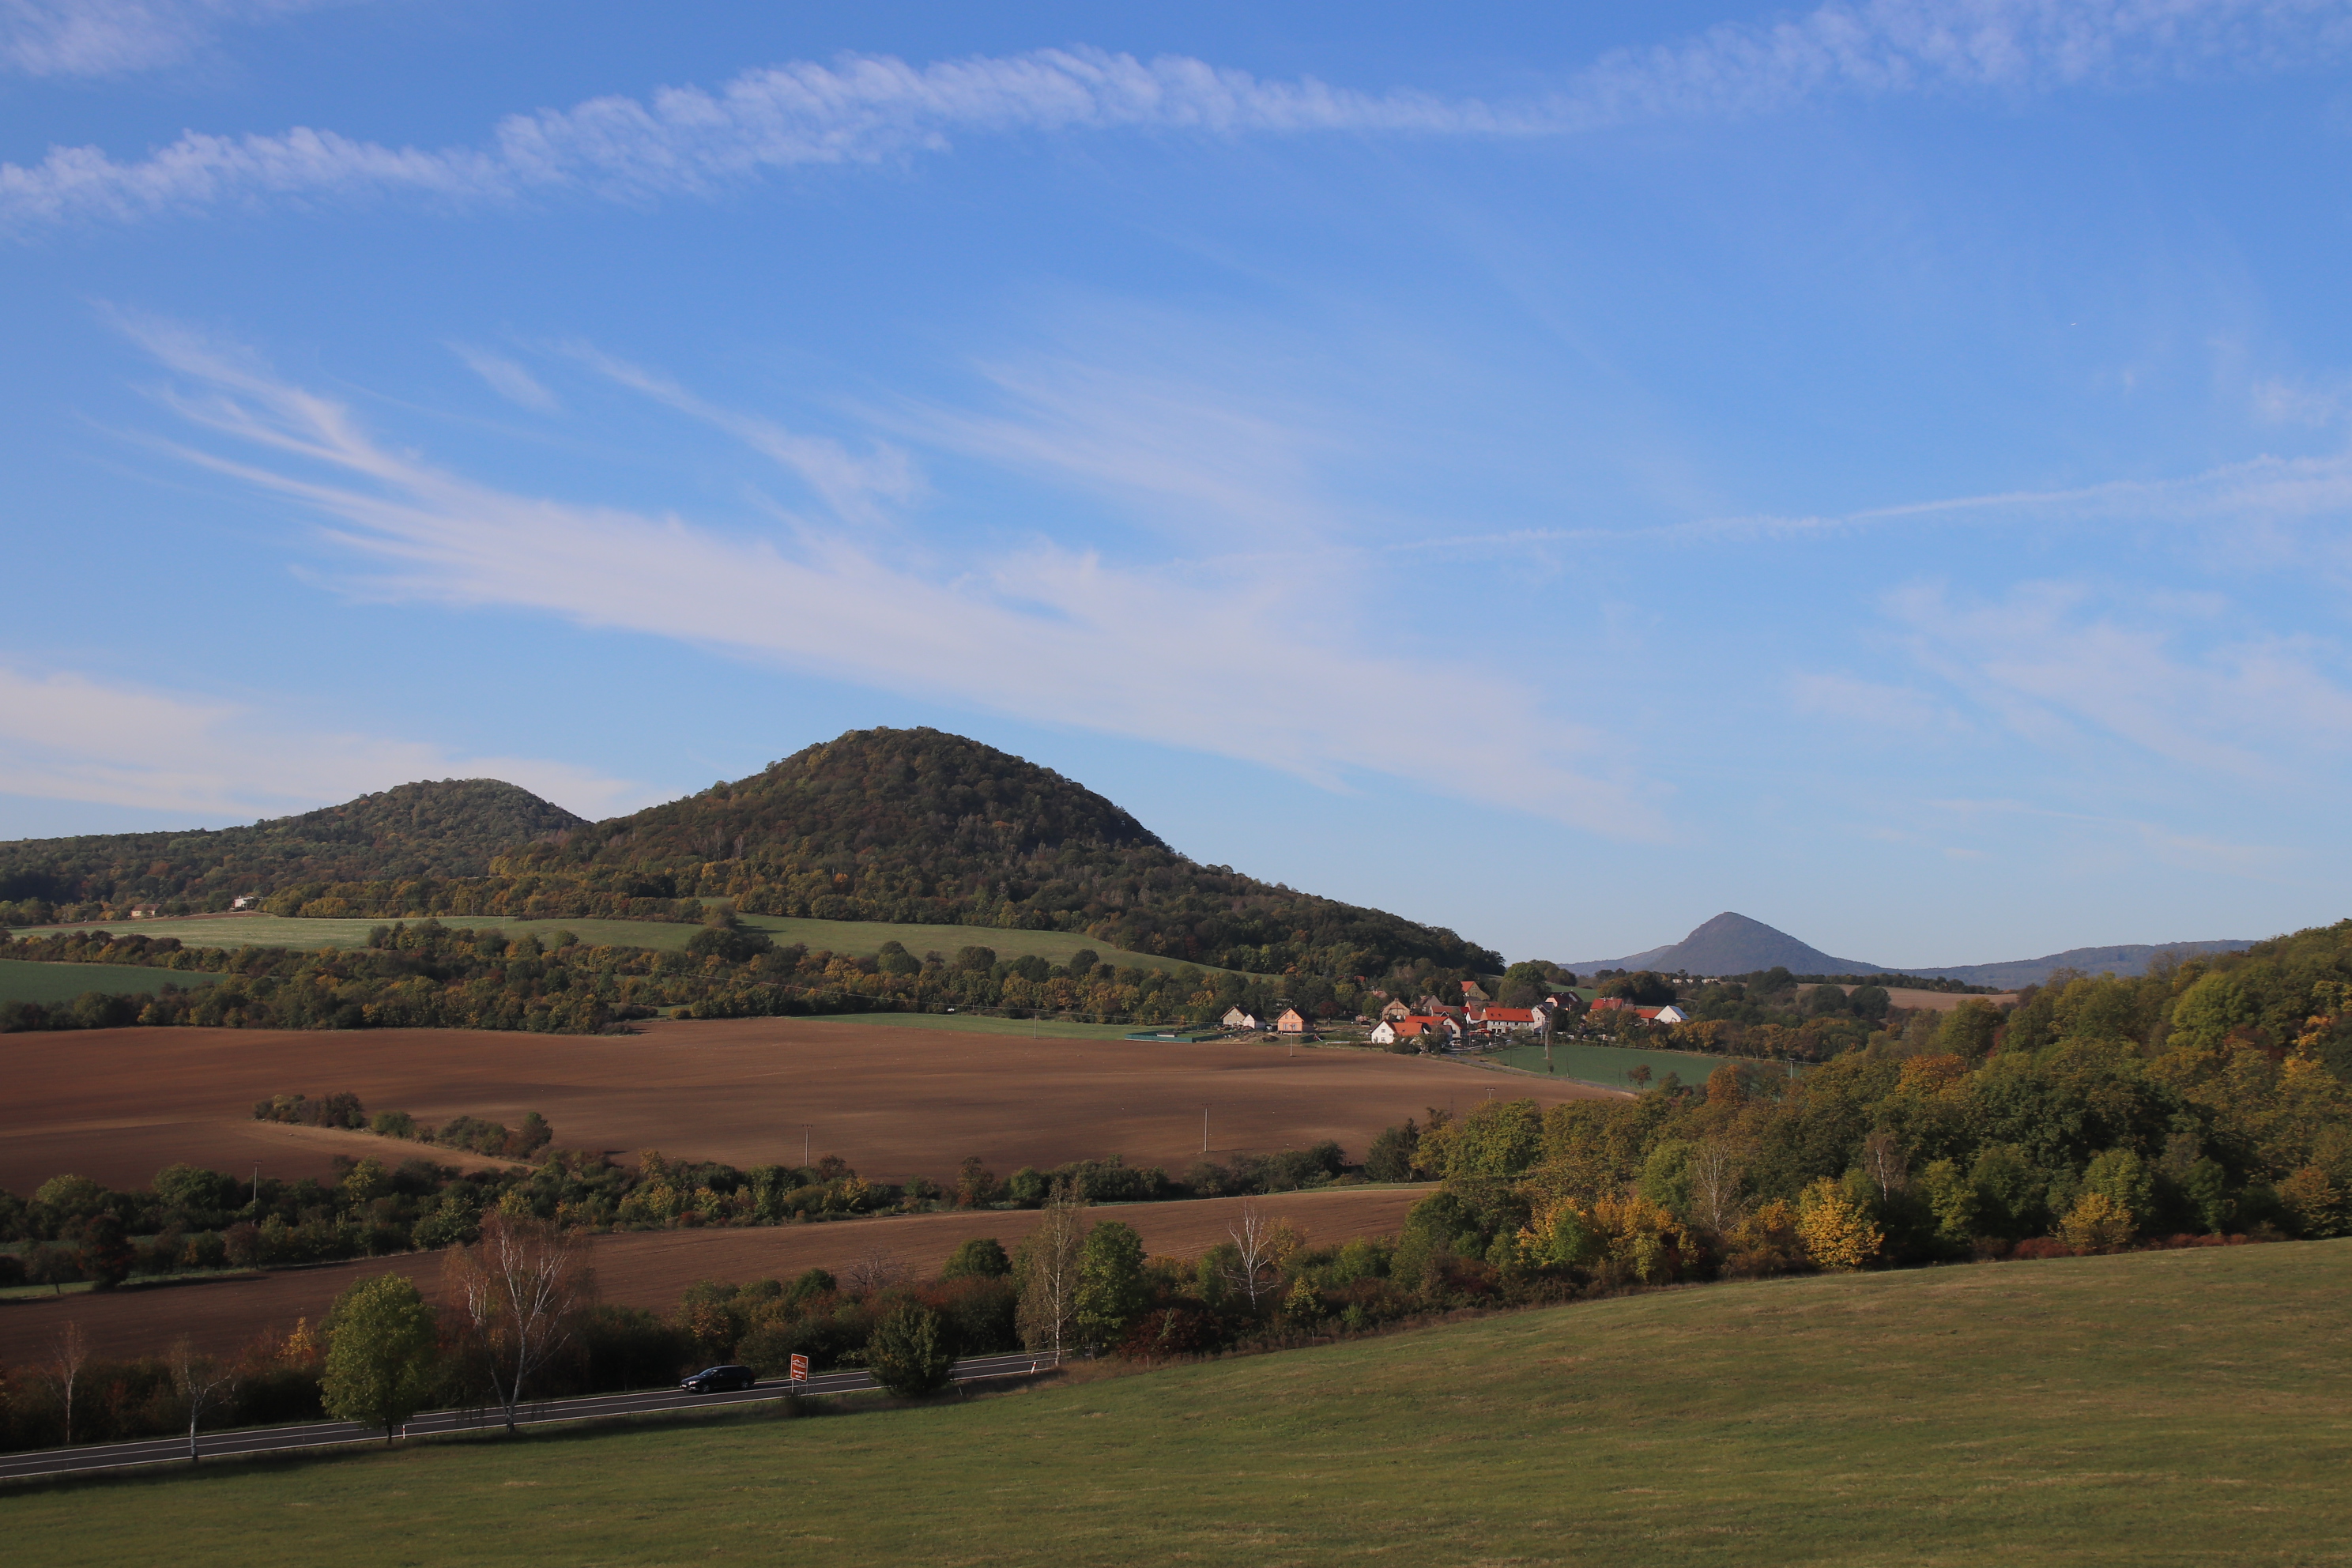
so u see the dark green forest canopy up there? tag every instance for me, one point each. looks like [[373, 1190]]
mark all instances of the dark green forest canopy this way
[[907, 826], [450, 829]]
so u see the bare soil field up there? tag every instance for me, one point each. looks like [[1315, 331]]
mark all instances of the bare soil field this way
[[653, 1268], [120, 1104]]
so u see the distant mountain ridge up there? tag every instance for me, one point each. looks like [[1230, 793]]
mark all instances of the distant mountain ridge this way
[[1735, 944], [2127, 961], [1731, 944]]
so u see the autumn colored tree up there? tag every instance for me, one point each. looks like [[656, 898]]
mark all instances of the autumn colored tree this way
[[2096, 1224], [1046, 1268], [1835, 1231]]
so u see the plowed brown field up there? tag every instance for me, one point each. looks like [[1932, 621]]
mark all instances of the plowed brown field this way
[[120, 1104], [652, 1268]]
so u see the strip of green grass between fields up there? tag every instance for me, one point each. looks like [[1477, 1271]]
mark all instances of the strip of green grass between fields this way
[[859, 938]]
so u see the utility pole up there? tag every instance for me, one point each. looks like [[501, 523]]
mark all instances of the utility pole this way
[[256, 1194], [1204, 1129], [804, 1149]]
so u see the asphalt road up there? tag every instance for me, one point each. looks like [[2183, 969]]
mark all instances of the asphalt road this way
[[329, 1434]]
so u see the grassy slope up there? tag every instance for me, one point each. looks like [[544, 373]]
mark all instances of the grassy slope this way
[[839, 936], [1610, 1064], [2182, 1407], [64, 981]]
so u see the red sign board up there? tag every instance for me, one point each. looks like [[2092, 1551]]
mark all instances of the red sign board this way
[[800, 1368]]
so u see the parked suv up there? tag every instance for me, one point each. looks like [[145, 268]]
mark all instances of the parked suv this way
[[721, 1380]]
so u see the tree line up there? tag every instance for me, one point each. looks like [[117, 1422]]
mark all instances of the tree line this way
[[193, 1220], [428, 975]]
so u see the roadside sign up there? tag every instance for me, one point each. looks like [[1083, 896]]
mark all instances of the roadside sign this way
[[799, 1367]]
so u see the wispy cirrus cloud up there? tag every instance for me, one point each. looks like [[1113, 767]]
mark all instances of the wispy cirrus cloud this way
[[507, 379], [109, 37], [2062, 668], [69, 736], [1226, 663], [855, 487], [869, 107]]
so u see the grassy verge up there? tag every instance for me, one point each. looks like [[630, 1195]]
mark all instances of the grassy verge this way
[[2184, 1408]]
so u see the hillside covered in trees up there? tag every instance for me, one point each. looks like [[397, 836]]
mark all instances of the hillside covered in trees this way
[[878, 825], [445, 829]]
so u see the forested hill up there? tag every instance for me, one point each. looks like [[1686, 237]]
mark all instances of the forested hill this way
[[917, 825], [450, 829], [878, 825]]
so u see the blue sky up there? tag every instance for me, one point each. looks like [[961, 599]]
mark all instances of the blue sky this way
[[1882, 468]]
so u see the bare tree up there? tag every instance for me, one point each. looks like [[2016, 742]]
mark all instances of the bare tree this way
[[1047, 1268], [519, 1293], [874, 1272], [200, 1384], [1715, 1184], [67, 1353], [1260, 1247]]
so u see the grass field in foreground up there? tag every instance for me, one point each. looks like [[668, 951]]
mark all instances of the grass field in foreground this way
[[840, 936], [64, 981], [2177, 1407]]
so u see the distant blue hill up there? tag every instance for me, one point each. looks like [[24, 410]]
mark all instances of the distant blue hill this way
[[1734, 944]]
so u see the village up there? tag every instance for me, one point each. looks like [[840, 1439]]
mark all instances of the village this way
[[1431, 1024]]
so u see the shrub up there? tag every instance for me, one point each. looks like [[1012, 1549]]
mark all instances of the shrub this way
[[2097, 1224], [981, 1256], [908, 1353]]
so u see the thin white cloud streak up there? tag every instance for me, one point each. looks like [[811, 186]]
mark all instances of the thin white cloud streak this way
[[1192, 454], [2255, 507], [2259, 708], [66, 736], [865, 109], [109, 38], [507, 379], [853, 487], [1228, 665]]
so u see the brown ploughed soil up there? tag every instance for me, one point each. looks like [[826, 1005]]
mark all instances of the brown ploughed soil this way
[[653, 1268], [120, 1104]]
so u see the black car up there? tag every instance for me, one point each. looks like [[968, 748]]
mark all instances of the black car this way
[[721, 1380]]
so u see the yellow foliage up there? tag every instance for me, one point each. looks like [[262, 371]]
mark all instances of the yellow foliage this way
[[1835, 1231], [2312, 1198], [2097, 1224], [301, 1347], [1766, 1241], [1931, 1075]]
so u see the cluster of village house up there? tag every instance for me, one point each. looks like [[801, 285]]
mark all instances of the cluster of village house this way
[[1475, 1015]]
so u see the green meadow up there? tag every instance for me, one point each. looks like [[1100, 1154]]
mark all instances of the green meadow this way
[[1609, 1065], [2179, 1408], [64, 981], [859, 937]]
